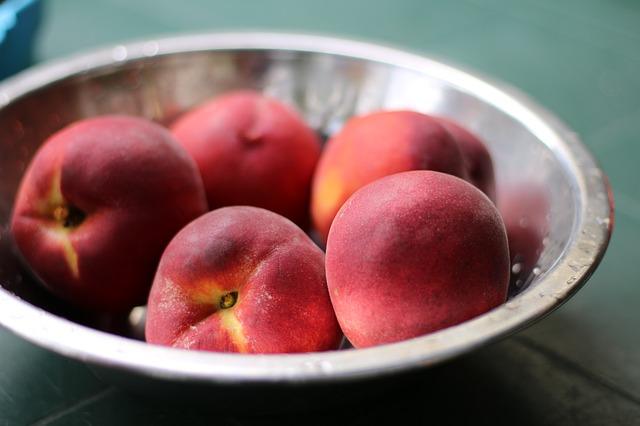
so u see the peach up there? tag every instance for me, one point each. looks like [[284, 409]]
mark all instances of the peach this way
[[478, 163], [376, 145], [98, 203], [242, 279], [413, 253], [252, 150]]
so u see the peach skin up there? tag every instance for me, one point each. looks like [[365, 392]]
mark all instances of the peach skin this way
[[376, 145], [252, 150], [477, 159], [242, 279], [413, 253], [98, 203]]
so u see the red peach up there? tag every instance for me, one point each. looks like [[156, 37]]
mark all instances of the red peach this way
[[478, 163], [98, 204], [252, 150], [242, 279], [413, 253], [376, 145]]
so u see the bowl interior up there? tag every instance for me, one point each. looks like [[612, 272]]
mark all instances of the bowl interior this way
[[326, 88]]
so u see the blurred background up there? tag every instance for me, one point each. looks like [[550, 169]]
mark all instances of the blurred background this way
[[578, 58]]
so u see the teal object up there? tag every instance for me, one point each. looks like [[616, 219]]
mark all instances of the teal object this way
[[19, 20]]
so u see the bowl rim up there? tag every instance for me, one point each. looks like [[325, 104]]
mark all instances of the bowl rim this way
[[589, 238]]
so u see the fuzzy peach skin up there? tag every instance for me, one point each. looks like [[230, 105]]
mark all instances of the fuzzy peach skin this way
[[242, 279], [98, 203], [376, 145], [252, 150], [413, 253], [478, 162]]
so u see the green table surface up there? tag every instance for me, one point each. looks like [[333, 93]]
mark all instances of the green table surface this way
[[579, 58]]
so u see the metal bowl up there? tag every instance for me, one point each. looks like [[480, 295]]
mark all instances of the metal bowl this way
[[327, 80]]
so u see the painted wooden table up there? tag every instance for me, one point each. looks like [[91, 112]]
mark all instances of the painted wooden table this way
[[579, 58]]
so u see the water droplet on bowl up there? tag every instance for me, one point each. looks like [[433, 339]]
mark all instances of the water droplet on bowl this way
[[119, 53], [326, 366], [4, 99], [312, 366], [151, 48], [137, 315], [512, 304], [536, 271], [516, 268], [576, 266]]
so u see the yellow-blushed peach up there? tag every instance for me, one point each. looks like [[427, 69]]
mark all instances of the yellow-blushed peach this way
[[375, 145], [242, 279], [98, 204]]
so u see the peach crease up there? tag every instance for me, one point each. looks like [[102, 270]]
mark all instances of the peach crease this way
[[233, 327], [70, 255]]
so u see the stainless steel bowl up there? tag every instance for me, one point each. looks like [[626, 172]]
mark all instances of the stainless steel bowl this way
[[327, 80]]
